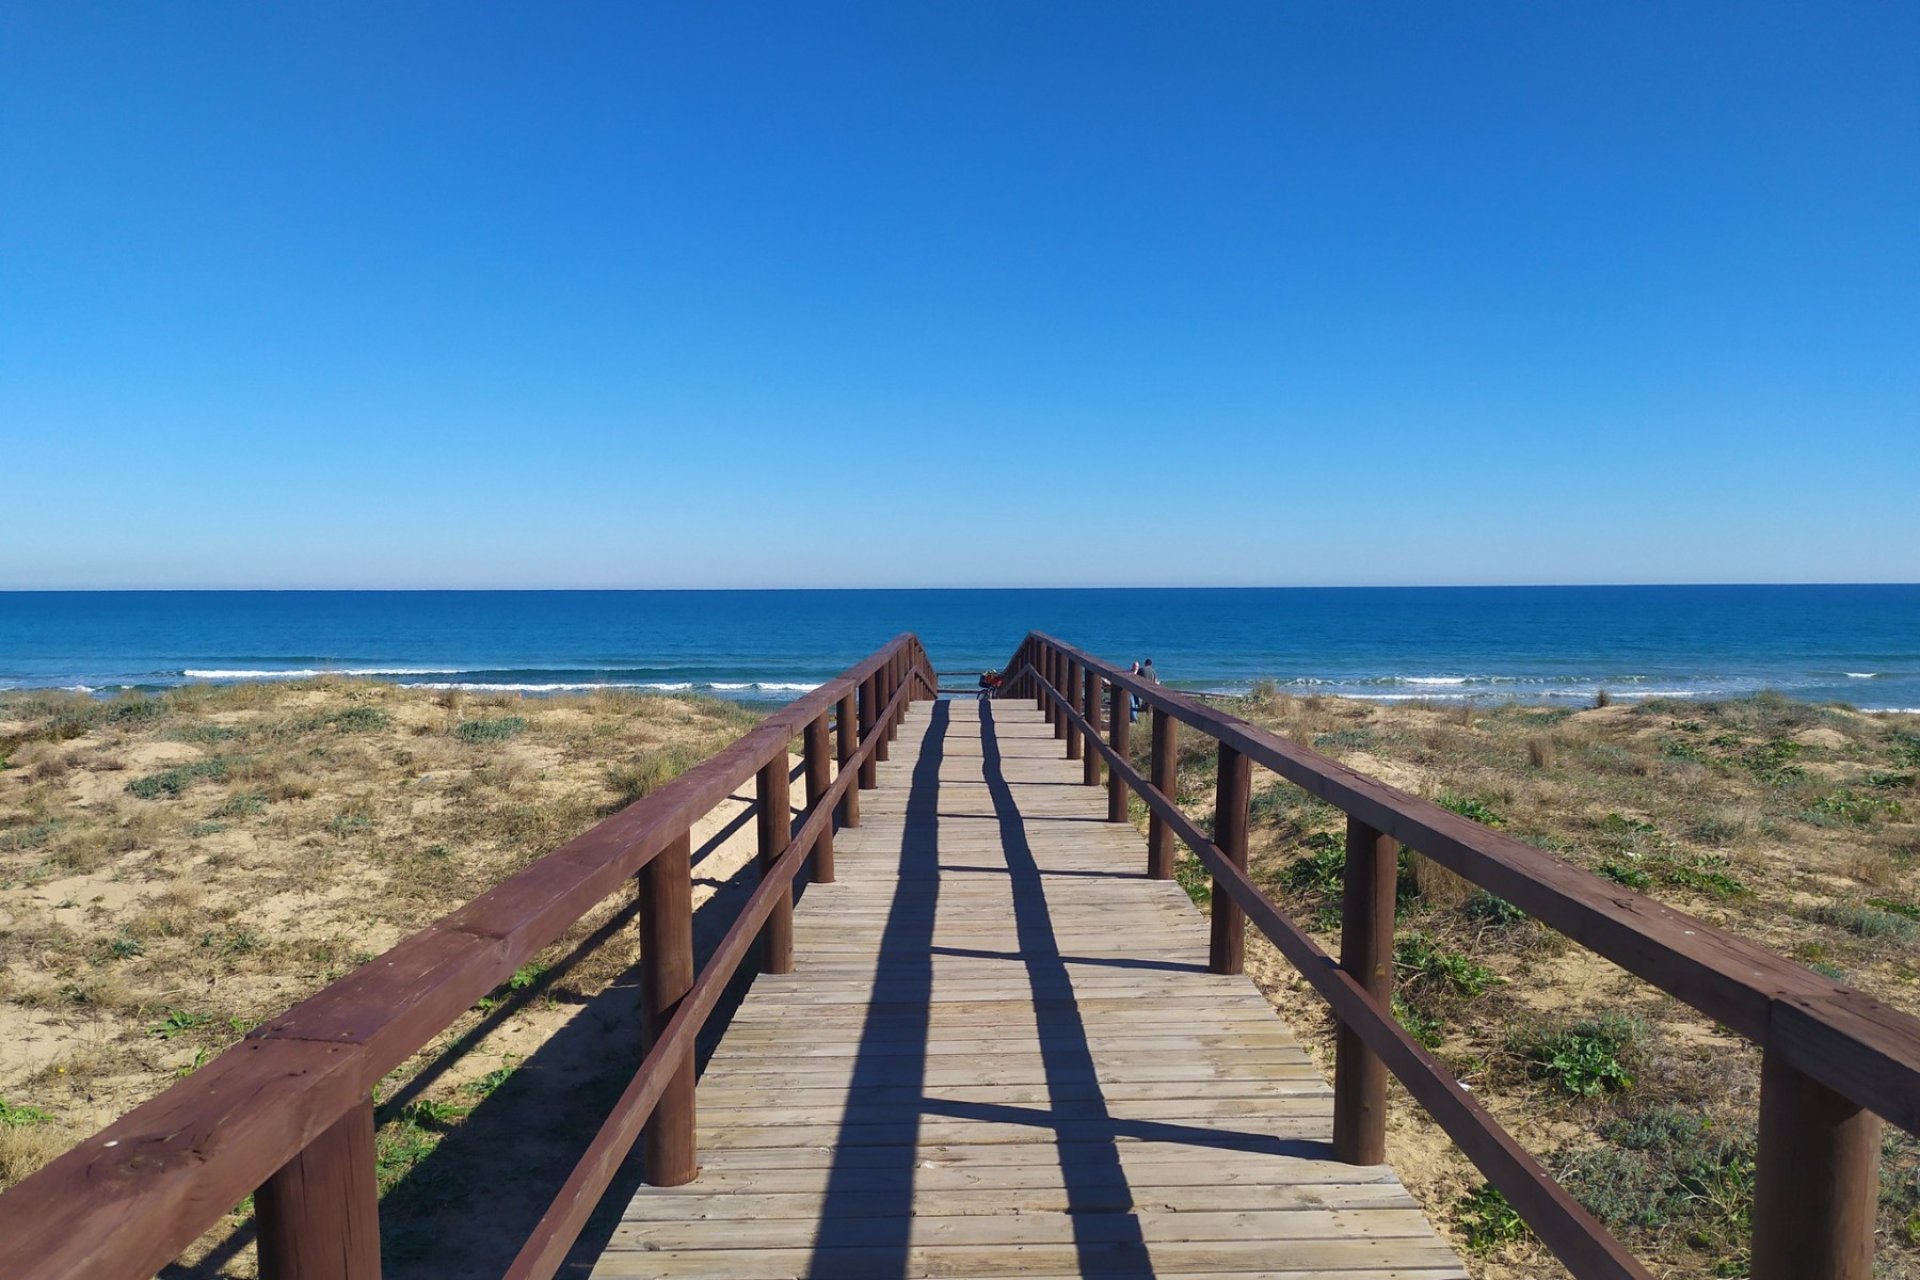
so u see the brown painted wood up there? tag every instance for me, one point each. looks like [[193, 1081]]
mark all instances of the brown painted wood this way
[[882, 695], [1089, 695], [1817, 1180], [666, 975], [819, 753], [1057, 677], [1119, 735], [1233, 790], [774, 822], [1366, 952], [869, 711], [846, 742], [319, 1214], [1165, 768], [1853, 1043], [1070, 690]]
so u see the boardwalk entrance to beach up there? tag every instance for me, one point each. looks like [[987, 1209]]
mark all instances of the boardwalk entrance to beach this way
[[1001, 1052]]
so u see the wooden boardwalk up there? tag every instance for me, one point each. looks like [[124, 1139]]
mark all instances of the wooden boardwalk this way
[[1001, 1054]]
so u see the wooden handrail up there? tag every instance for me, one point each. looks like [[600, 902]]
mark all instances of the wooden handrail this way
[[1830, 1051], [127, 1200]]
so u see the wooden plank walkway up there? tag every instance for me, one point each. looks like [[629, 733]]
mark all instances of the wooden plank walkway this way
[[1001, 1054]]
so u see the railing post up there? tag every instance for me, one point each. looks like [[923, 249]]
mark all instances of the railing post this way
[[319, 1215], [869, 773], [1817, 1180], [1057, 677], [1166, 780], [776, 830], [1070, 690], [669, 1155], [1119, 737], [846, 741], [1232, 791], [1090, 708], [882, 695], [1038, 658], [819, 751], [1366, 952], [894, 676]]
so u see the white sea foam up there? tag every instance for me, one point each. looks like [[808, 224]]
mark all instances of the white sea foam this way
[[786, 686], [1433, 679], [312, 673], [731, 686], [1861, 675]]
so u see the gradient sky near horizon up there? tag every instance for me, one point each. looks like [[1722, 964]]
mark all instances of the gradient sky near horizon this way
[[313, 295]]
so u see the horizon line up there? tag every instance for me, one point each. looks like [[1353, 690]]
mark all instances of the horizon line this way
[[579, 590]]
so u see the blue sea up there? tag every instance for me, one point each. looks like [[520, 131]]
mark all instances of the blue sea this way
[[1856, 644]]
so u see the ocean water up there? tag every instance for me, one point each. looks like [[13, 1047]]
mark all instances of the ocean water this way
[[1857, 644]]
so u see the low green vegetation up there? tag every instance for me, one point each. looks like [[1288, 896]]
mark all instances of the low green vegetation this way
[[1486, 1221], [1866, 921], [170, 784], [498, 729], [1584, 1059]]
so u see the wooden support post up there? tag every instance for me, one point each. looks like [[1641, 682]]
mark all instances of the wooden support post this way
[[776, 830], [1165, 779], [1090, 708], [869, 774], [819, 779], [1232, 791], [319, 1215], [1817, 1180], [1366, 952], [895, 674], [1039, 660], [1057, 677], [1119, 737], [670, 1158], [846, 741], [1070, 690], [882, 695]]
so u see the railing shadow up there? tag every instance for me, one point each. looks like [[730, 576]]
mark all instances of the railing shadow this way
[[868, 1206]]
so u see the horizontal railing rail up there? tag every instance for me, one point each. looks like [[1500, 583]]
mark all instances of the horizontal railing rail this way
[[287, 1113], [1835, 1060]]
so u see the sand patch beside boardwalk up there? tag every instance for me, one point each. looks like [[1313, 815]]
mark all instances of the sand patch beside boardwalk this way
[[175, 870]]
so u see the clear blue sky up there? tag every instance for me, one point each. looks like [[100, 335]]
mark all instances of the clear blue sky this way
[[703, 295]]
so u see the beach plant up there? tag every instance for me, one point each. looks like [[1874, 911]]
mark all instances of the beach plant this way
[[1847, 805], [1486, 1220], [17, 1115], [1424, 963], [1477, 810], [1584, 1058], [1866, 921], [1423, 1026], [178, 1022], [496, 730], [172, 783], [1665, 1167], [1492, 910]]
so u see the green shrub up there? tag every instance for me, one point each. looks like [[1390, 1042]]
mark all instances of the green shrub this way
[[242, 804], [1847, 805], [1490, 909], [498, 730], [1193, 876], [1421, 1025], [1486, 1219], [135, 710], [1627, 874], [1703, 875], [172, 783], [21, 1116], [1890, 781], [1897, 907], [1321, 871], [1904, 748], [1867, 922], [1663, 1167], [1467, 807], [1423, 962], [1583, 1059]]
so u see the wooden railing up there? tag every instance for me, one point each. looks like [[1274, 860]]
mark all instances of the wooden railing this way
[[1834, 1060], [287, 1113]]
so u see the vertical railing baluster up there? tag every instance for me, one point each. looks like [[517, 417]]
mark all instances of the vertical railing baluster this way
[[319, 1215], [882, 695], [869, 769], [776, 831], [1233, 790], [819, 752], [846, 741], [1090, 708], [1057, 677], [1119, 737], [1166, 780], [1816, 1180], [669, 1147], [1070, 690], [1366, 952]]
